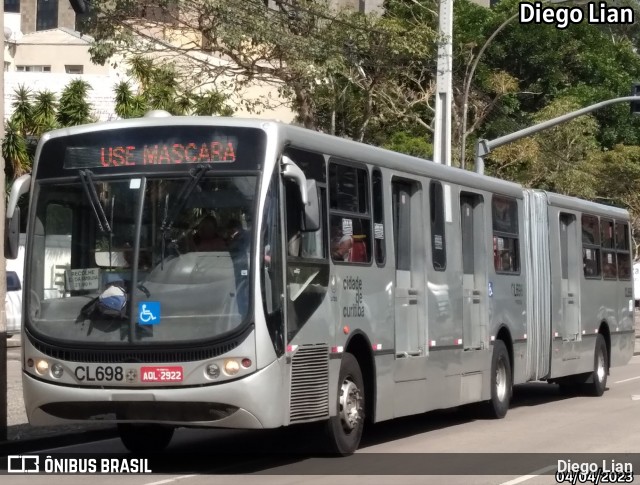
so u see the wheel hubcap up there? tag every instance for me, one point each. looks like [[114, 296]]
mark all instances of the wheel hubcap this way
[[350, 405], [600, 370], [501, 381]]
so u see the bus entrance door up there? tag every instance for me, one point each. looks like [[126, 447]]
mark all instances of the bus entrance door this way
[[474, 271], [570, 281], [408, 233]]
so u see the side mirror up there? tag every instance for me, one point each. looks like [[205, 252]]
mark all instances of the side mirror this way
[[292, 172], [308, 193], [12, 235], [312, 208], [12, 223]]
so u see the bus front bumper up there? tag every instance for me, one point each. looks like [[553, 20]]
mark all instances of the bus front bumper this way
[[254, 402]]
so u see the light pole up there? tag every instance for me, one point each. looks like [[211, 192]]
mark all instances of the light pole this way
[[469, 78], [484, 147], [442, 128], [467, 86]]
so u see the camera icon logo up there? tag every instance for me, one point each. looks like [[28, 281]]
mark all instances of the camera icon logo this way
[[23, 464]]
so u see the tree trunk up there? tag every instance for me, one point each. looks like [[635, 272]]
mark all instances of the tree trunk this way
[[304, 104]]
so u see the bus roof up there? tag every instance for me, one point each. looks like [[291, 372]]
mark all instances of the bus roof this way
[[346, 149], [314, 141]]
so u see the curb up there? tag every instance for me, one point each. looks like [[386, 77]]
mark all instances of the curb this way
[[54, 441]]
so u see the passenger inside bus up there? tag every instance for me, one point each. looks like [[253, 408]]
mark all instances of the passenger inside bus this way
[[207, 236], [341, 244], [238, 246], [359, 253]]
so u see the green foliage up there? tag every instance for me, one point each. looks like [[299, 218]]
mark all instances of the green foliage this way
[[128, 104], [308, 51], [14, 151], [74, 109], [159, 88], [44, 112], [35, 114], [409, 144]]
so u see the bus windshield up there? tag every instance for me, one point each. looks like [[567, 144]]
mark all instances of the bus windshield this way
[[157, 259]]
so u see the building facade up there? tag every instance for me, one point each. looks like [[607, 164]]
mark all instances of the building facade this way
[[36, 15]]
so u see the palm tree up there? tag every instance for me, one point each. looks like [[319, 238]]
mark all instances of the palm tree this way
[[159, 87], [128, 104], [14, 151], [212, 102], [74, 109], [141, 69], [35, 114], [22, 110], [44, 112]]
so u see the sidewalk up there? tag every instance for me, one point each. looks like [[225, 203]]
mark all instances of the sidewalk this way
[[24, 437]]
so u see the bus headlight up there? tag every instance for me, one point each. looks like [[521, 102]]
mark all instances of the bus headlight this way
[[57, 370], [231, 367], [213, 371], [42, 366]]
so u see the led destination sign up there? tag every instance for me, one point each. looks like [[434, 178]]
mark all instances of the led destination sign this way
[[191, 152], [215, 151], [230, 148]]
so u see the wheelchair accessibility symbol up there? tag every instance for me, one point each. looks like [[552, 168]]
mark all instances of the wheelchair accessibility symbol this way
[[149, 312]]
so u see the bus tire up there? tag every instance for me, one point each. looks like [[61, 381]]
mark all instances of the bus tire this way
[[598, 381], [145, 438], [498, 405], [345, 428]]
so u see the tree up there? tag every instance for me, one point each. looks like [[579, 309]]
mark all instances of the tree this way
[[35, 114], [308, 51], [557, 159], [74, 109], [159, 88], [618, 182], [14, 151]]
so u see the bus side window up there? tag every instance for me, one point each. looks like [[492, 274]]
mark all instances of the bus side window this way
[[590, 246], [302, 244], [378, 217], [506, 246], [609, 262], [438, 241], [623, 253], [350, 217]]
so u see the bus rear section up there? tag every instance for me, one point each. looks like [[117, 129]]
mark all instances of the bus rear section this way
[[583, 290]]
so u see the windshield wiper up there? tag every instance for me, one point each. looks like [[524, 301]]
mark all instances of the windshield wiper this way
[[86, 177], [185, 192]]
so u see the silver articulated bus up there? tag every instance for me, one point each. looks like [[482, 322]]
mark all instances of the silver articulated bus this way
[[231, 273]]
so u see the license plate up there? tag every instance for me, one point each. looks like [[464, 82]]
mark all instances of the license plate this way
[[161, 374]]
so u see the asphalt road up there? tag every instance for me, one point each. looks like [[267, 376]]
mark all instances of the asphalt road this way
[[540, 422], [516, 449]]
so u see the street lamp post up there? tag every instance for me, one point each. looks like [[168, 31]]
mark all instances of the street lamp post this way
[[467, 86], [469, 78], [442, 128], [484, 147]]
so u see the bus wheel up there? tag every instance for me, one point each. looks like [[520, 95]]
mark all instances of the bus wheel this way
[[345, 429], [498, 405], [598, 381], [145, 438]]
